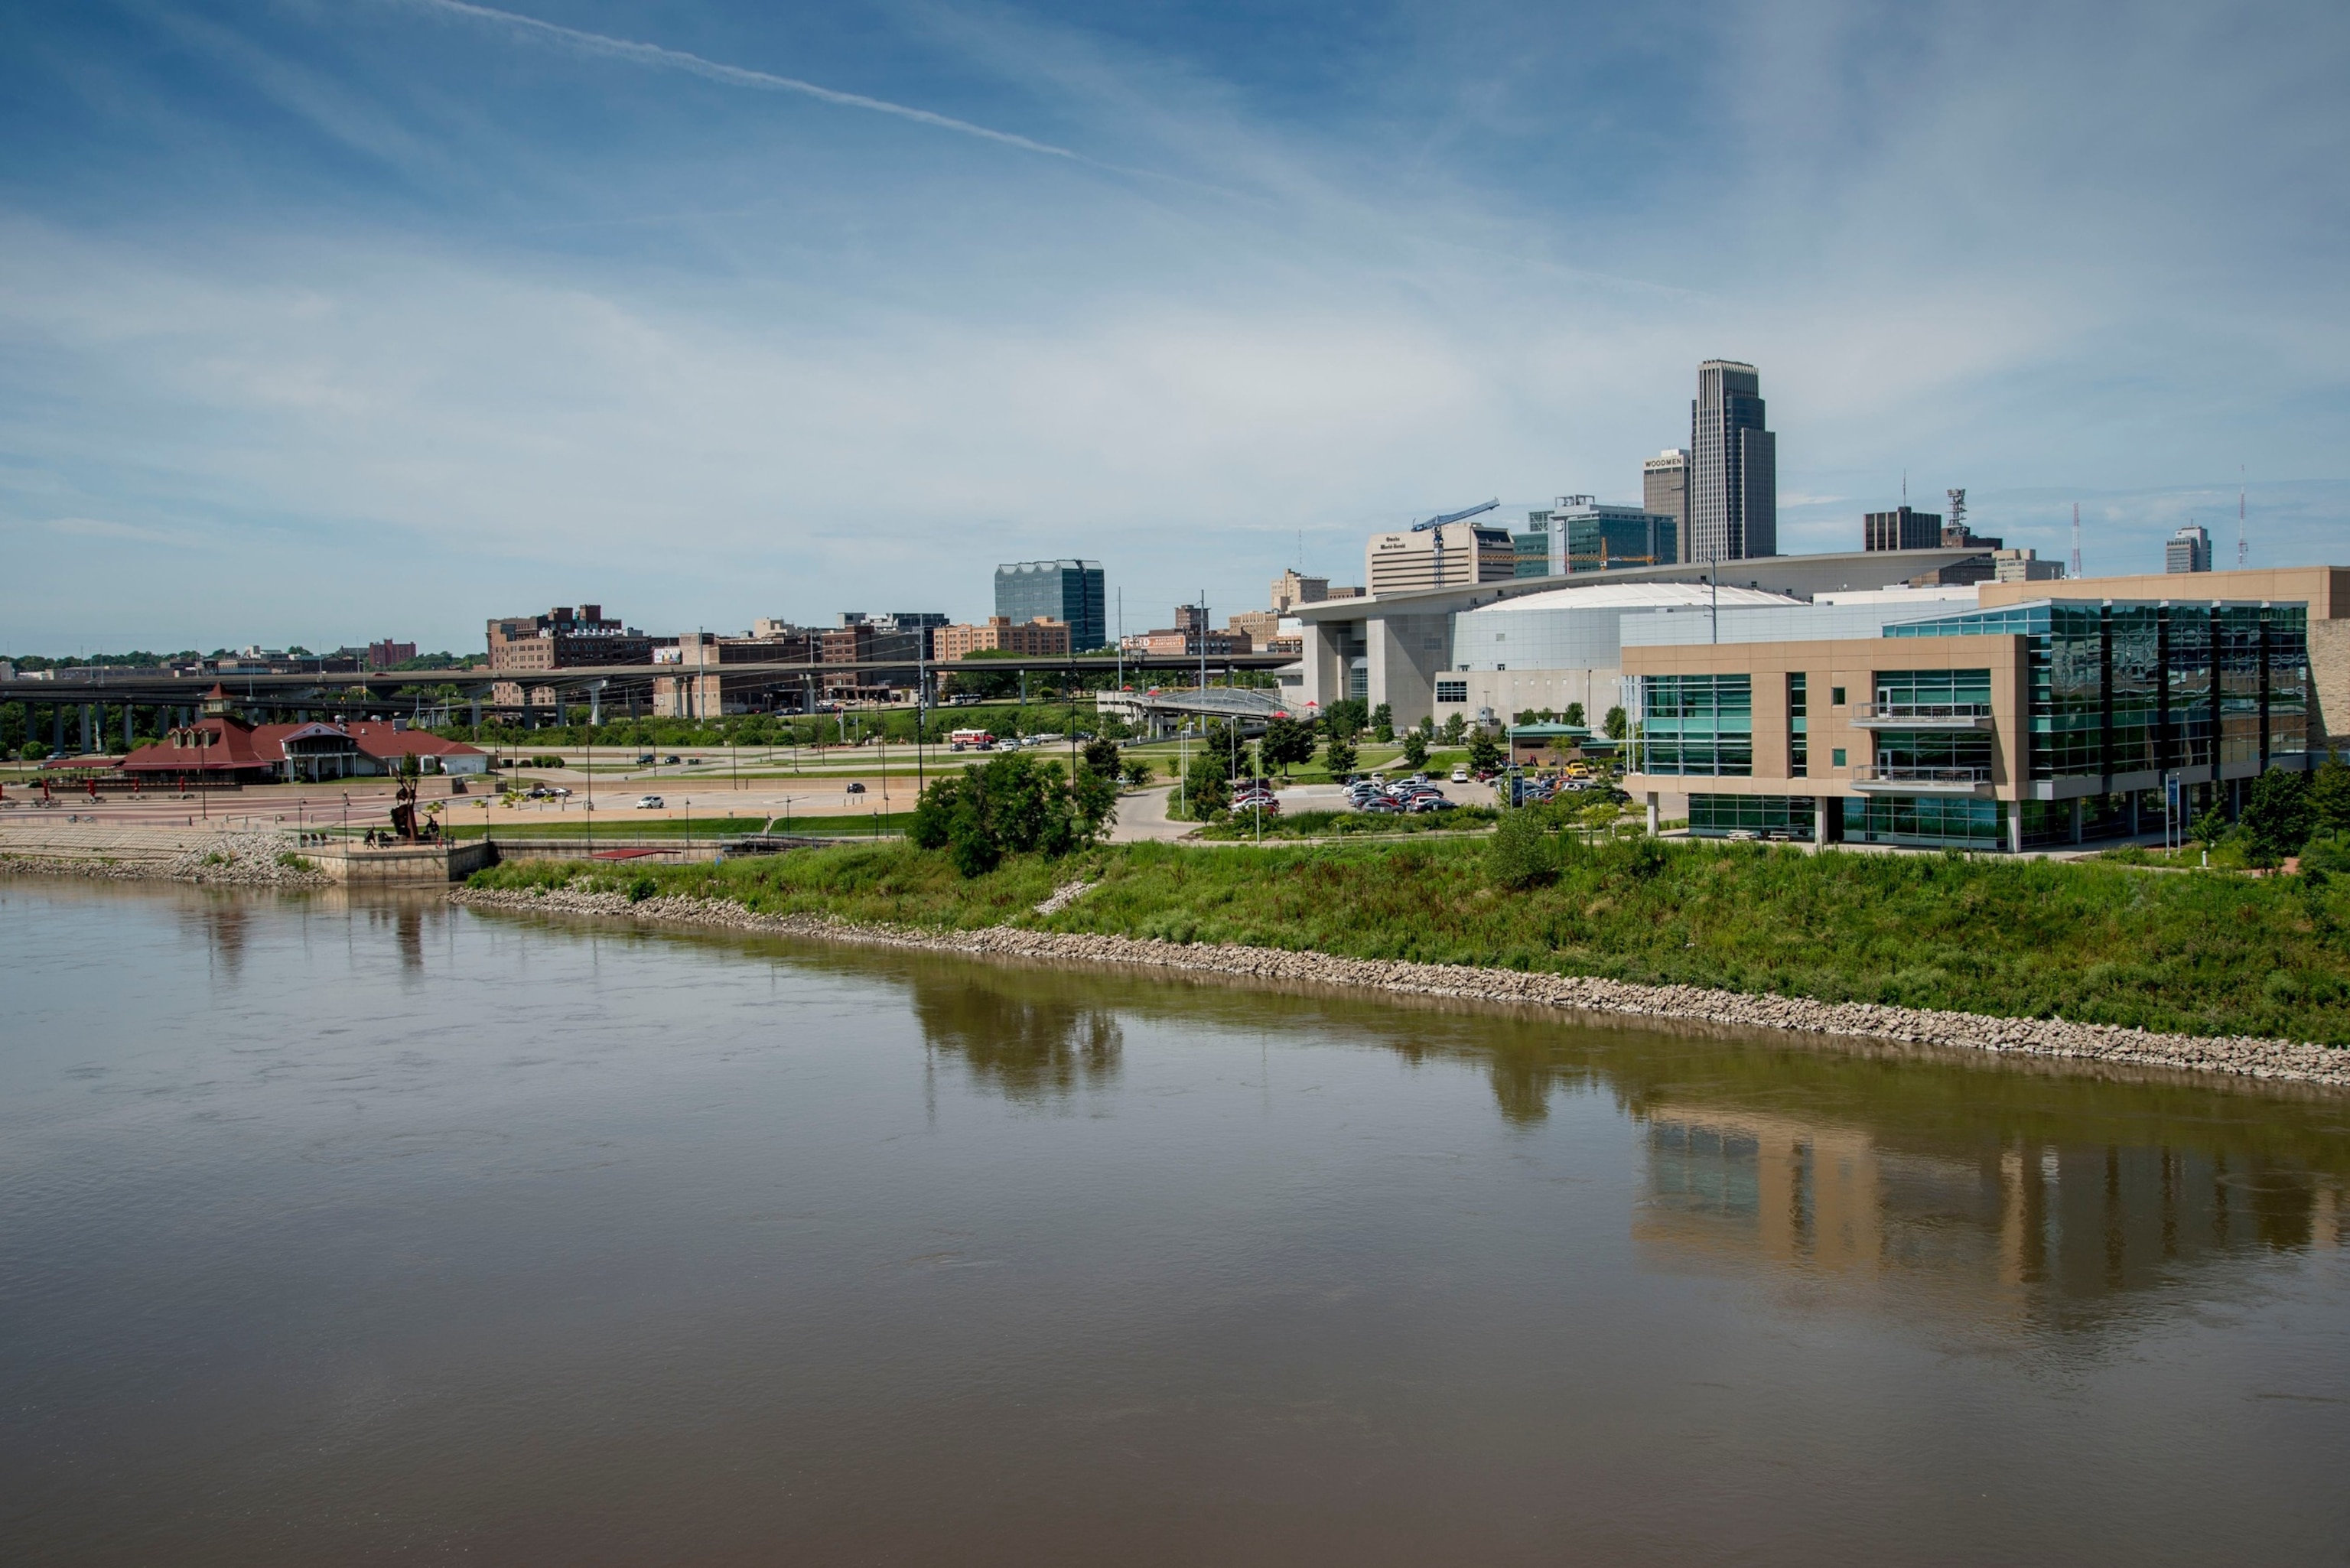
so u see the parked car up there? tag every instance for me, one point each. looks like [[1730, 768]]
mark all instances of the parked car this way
[[1427, 802], [854, 787], [1461, 775], [646, 759], [669, 762], [537, 791], [649, 803], [559, 793], [1380, 803]]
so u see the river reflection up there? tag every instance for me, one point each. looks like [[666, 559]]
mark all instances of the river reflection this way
[[345, 1228]]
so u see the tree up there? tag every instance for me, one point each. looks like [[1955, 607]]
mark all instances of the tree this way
[[1015, 804], [2276, 815], [1338, 756], [2211, 827], [1347, 719], [1206, 789], [1485, 751], [2329, 797], [1286, 742], [1383, 723], [1101, 755], [1415, 748], [1520, 854], [1575, 714], [1454, 728], [1615, 724], [1137, 773]]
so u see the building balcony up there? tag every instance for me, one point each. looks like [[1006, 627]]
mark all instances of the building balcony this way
[[1921, 715], [1880, 778]]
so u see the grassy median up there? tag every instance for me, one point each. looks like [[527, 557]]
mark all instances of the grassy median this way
[[2195, 953]]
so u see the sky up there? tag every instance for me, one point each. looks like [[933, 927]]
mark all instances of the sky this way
[[329, 321]]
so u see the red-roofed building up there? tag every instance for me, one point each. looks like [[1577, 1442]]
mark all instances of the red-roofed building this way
[[222, 747]]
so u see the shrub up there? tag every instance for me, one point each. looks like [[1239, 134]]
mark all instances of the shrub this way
[[292, 862], [1415, 748], [2329, 797], [2276, 815], [1139, 772], [2328, 854], [642, 886], [1206, 791], [1016, 804], [1520, 855]]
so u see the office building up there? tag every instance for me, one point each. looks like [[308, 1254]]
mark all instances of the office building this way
[[559, 640], [2049, 713], [1070, 592], [1900, 529], [1733, 487], [1000, 634], [1448, 557], [389, 655], [1664, 487], [1537, 551], [2024, 566], [1593, 537], [2189, 550]]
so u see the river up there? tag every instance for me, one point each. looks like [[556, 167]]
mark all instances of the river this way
[[339, 1232]]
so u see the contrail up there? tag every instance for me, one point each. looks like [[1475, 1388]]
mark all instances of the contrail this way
[[736, 76]]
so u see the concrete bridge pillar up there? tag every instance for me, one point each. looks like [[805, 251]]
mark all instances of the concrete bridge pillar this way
[[57, 724], [89, 728], [127, 731]]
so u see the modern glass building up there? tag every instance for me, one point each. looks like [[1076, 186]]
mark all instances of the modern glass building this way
[[2044, 721], [1068, 591]]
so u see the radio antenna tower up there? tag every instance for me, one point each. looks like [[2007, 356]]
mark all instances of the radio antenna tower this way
[[2243, 547], [2076, 542]]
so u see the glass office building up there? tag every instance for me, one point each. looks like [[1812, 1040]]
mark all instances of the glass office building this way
[[1066, 591], [2124, 688]]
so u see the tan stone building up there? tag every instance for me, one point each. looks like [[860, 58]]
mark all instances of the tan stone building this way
[[1038, 639]]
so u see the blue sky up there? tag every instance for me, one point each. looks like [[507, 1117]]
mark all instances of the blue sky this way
[[325, 321]]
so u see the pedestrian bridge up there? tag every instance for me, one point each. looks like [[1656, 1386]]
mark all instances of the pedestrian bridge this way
[[1161, 713]]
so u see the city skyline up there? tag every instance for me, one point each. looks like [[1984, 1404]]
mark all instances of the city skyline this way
[[484, 309]]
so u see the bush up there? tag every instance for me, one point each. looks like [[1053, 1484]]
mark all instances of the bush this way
[[1415, 749], [1016, 804], [2328, 854], [1138, 773], [1520, 855], [2276, 815], [1206, 791]]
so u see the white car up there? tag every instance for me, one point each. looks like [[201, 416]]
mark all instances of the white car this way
[[649, 803], [1460, 776]]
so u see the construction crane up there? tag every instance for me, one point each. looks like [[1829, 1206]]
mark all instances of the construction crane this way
[[1462, 515]]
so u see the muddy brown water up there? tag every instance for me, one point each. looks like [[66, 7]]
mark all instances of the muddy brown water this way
[[339, 1230]]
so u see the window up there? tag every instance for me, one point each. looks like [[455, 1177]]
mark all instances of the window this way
[[1799, 745], [1696, 725], [1835, 757], [1783, 816], [1452, 691], [1836, 696]]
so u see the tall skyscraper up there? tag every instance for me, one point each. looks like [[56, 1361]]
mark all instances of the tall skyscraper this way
[[2189, 550], [1733, 488], [1664, 488], [1070, 592]]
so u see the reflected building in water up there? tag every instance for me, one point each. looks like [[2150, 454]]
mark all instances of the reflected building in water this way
[[2019, 1222]]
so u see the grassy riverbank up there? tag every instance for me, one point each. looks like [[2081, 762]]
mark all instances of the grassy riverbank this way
[[2199, 954]]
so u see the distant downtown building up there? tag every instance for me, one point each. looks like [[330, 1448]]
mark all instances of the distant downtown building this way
[[1070, 592], [1448, 557], [1733, 487], [559, 640], [2189, 550], [1664, 487], [1034, 639], [1900, 529]]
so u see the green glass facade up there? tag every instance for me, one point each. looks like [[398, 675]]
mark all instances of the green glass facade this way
[[1955, 822], [1698, 724], [2129, 688], [1782, 815]]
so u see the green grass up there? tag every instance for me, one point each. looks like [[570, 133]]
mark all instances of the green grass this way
[[622, 826], [1242, 827], [2202, 954]]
